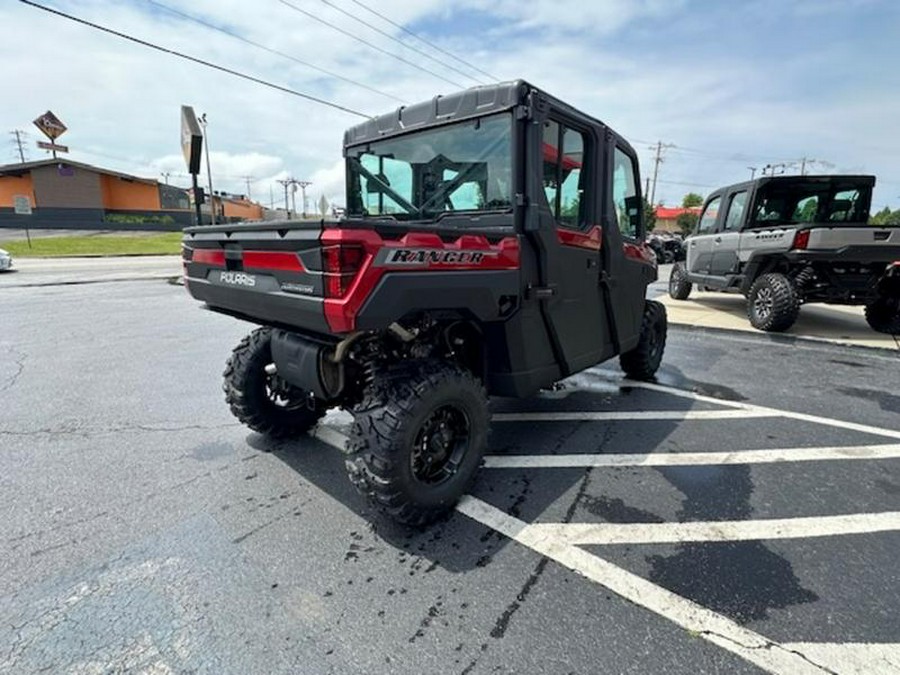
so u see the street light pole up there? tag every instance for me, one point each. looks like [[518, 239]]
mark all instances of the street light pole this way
[[212, 201]]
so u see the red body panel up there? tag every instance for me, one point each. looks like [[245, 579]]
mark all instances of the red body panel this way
[[340, 313], [592, 239]]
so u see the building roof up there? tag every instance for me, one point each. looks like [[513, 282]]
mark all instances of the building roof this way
[[22, 168], [672, 212]]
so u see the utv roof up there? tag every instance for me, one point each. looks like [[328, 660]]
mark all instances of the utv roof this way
[[469, 103], [758, 183]]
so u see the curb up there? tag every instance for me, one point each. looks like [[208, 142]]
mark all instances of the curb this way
[[782, 339]]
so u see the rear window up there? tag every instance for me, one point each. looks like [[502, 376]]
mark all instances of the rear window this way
[[795, 202]]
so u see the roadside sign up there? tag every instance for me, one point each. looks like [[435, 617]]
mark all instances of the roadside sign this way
[[50, 125], [52, 146], [22, 205], [191, 139]]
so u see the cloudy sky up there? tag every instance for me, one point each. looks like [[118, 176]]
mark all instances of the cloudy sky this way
[[730, 85]]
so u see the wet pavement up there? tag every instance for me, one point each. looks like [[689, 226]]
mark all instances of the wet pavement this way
[[740, 516]]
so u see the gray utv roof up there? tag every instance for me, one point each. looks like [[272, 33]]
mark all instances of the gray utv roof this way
[[758, 183]]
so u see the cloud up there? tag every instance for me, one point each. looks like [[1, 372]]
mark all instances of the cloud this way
[[732, 84]]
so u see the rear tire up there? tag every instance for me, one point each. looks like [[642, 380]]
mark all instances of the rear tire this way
[[883, 315], [642, 362], [679, 286], [266, 403], [772, 304], [415, 449]]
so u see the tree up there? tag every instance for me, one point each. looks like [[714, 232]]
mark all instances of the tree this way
[[323, 205], [649, 216], [692, 199], [886, 217], [687, 222]]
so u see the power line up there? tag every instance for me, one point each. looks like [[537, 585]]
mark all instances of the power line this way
[[419, 37], [194, 59], [276, 52], [400, 42], [365, 42]]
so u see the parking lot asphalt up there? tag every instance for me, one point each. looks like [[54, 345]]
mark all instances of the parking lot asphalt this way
[[740, 515]]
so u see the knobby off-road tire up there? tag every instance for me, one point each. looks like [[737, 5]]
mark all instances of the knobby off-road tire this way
[[642, 362], [883, 315], [772, 304], [416, 447], [679, 286], [263, 402]]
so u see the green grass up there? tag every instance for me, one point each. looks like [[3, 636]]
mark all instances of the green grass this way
[[154, 244]]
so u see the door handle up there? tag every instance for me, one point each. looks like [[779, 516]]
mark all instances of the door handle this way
[[718, 240]]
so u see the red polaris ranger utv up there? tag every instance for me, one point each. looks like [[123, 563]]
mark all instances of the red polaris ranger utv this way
[[492, 245]]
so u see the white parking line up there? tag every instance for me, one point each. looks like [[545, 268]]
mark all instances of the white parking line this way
[[703, 622], [852, 658], [773, 412], [561, 541], [629, 415], [773, 456], [583, 534]]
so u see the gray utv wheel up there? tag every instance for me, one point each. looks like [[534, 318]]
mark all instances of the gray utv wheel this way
[[642, 362], [415, 448], [883, 315], [772, 304], [679, 286], [266, 403]]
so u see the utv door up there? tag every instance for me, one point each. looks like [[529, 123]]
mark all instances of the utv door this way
[[562, 165], [700, 245], [727, 240], [627, 269]]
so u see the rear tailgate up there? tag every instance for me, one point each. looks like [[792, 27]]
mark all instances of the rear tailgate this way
[[864, 243], [265, 272]]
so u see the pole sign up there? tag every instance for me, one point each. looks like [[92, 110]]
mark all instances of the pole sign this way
[[56, 147], [50, 125], [191, 139]]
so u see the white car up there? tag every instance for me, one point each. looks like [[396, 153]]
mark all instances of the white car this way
[[5, 261]]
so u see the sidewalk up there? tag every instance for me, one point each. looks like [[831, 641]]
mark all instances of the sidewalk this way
[[829, 323], [55, 271]]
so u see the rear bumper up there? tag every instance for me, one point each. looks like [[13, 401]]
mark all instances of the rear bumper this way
[[275, 308]]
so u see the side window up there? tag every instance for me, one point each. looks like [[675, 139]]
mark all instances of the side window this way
[[709, 217], [735, 215], [565, 174], [625, 195]]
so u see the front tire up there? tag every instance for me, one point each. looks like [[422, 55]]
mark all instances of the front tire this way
[[679, 286], [772, 304], [642, 362], [415, 449], [883, 315], [262, 401]]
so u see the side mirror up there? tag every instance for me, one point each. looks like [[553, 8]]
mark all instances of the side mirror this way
[[633, 211]]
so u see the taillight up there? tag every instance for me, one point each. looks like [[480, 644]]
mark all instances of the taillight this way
[[341, 263], [801, 240]]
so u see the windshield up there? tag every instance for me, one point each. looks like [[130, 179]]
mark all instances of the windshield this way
[[812, 202], [461, 167]]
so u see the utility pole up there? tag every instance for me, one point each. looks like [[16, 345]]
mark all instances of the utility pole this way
[[303, 185], [659, 147], [752, 172], [212, 199], [285, 182], [19, 142], [248, 179]]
